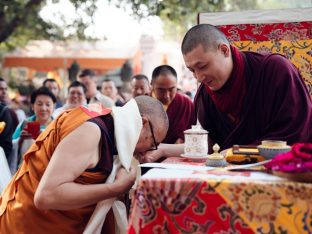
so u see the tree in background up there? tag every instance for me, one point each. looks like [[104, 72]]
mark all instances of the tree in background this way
[[20, 21], [177, 15]]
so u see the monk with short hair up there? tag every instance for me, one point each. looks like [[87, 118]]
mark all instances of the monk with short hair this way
[[244, 97], [179, 108], [81, 159]]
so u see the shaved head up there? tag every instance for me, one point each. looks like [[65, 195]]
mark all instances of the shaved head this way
[[206, 35], [154, 111], [163, 70]]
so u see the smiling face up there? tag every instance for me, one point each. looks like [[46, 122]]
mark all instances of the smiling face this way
[[140, 87], [76, 96], [213, 67], [43, 108]]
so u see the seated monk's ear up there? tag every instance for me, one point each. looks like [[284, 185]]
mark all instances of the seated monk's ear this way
[[224, 49]]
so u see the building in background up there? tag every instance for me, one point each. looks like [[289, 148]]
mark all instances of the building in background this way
[[54, 58]]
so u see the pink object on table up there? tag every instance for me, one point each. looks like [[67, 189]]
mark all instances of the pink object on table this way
[[298, 160]]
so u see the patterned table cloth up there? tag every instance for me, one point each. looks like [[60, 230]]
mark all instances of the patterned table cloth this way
[[219, 201]]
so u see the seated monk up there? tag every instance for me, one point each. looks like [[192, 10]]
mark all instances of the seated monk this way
[[82, 158], [179, 108], [244, 97]]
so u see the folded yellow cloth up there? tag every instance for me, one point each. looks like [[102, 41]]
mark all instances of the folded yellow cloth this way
[[242, 158]]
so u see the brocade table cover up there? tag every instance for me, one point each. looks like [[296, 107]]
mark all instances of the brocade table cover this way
[[219, 201]]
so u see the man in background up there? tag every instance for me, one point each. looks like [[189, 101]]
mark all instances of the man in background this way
[[180, 109], [140, 85], [54, 87], [6, 130], [109, 89], [5, 100], [87, 77], [76, 97]]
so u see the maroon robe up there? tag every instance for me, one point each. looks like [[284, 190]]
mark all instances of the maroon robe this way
[[276, 105], [181, 116]]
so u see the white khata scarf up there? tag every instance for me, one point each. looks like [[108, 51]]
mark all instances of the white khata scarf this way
[[128, 125]]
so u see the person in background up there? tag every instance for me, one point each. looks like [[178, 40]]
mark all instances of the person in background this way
[[109, 89], [42, 103], [55, 89], [140, 85], [16, 106], [76, 97], [6, 130], [244, 97], [64, 174], [5, 100], [180, 109], [87, 78]]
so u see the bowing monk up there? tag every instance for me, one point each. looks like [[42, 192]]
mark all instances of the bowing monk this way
[[244, 97], [179, 108], [64, 173]]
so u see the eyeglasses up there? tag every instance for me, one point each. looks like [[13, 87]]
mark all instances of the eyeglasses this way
[[155, 143]]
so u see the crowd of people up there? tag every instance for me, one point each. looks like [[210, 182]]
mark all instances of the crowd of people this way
[[46, 104], [244, 98]]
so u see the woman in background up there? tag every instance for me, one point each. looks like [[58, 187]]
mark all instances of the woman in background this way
[[42, 103]]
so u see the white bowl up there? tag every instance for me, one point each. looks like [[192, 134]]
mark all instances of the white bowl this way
[[270, 152], [274, 143]]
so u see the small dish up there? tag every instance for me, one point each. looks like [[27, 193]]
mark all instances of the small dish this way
[[194, 157], [270, 152], [273, 144]]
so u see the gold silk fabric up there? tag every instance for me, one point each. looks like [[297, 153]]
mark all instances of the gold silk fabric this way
[[292, 39], [269, 207]]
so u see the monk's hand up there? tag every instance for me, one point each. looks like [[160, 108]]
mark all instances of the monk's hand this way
[[151, 156], [124, 180]]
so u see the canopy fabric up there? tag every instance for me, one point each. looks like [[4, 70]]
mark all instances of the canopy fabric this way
[[47, 64], [46, 55]]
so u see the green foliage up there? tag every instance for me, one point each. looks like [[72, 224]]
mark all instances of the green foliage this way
[[20, 22], [177, 15], [238, 5]]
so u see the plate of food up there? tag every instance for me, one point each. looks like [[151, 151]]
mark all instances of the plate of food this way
[[241, 154]]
